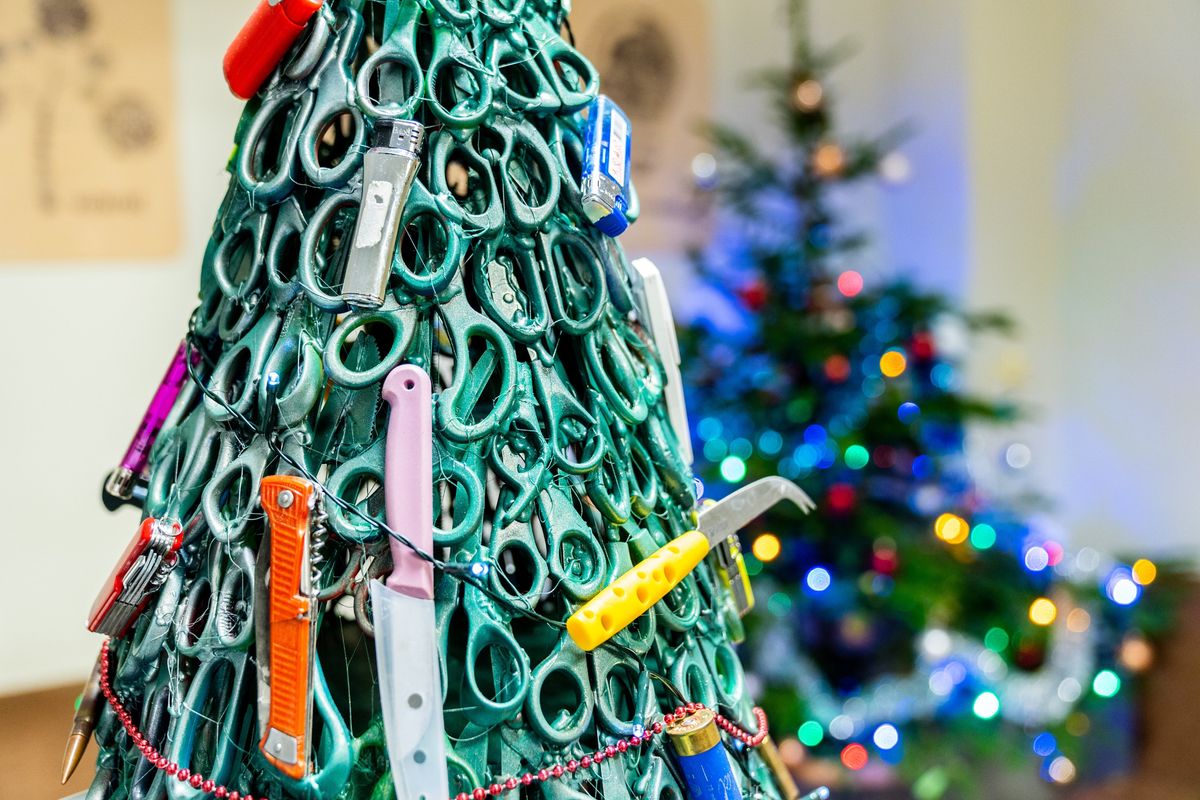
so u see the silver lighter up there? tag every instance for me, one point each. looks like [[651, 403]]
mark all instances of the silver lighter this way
[[389, 168]]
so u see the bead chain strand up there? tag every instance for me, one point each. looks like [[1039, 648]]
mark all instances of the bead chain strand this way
[[207, 786]]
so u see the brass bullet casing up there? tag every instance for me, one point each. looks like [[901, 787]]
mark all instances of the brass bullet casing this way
[[783, 776], [696, 733]]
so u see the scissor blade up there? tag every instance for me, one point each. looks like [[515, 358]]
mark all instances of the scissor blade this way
[[728, 516]]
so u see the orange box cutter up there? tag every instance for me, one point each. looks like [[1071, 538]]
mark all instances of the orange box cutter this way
[[286, 742], [263, 41]]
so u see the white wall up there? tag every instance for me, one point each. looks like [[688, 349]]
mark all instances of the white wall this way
[[83, 347], [1057, 173]]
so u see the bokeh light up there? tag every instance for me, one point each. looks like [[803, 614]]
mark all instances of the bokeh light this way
[[818, 579], [854, 756], [983, 536], [766, 547], [1042, 611], [1036, 558], [1121, 588], [1078, 621], [733, 469], [1135, 654], [886, 736], [1062, 770], [811, 733], [996, 640], [1144, 571], [1044, 744], [986, 705], [850, 283], [951, 528], [1106, 683], [856, 456], [892, 364], [907, 412]]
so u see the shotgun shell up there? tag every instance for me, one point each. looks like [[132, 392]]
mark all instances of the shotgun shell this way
[[702, 759]]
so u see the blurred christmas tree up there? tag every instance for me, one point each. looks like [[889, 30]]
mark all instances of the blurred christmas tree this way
[[924, 615]]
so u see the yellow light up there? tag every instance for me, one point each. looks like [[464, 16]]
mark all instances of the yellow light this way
[[1136, 654], [808, 95], [766, 547], [1078, 620], [828, 159], [1078, 724], [1042, 611], [1144, 571], [951, 528], [892, 364]]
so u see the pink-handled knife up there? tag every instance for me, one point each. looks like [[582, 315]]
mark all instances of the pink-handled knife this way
[[403, 608]]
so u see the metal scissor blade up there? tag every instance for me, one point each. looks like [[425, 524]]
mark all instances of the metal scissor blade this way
[[734, 512], [410, 692]]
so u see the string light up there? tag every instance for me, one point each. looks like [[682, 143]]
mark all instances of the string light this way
[[1079, 620], [733, 469], [1136, 654], [996, 640], [983, 536], [766, 547], [1121, 588], [892, 363], [1044, 744], [828, 159], [886, 736], [907, 412], [811, 733], [1144, 571], [856, 456], [818, 579], [855, 756], [1036, 559], [808, 94], [986, 705], [1042, 611], [850, 283], [1106, 683], [1062, 770], [951, 528]]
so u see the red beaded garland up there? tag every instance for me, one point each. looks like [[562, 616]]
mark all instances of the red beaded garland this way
[[208, 786]]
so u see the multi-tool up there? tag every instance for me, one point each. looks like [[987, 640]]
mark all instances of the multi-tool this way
[[140, 571]]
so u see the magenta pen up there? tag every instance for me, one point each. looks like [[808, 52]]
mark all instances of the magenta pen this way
[[121, 481]]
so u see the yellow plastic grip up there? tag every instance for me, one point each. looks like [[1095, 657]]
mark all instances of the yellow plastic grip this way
[[632, 594]]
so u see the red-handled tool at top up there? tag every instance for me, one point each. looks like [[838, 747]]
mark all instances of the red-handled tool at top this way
[[263, 41]]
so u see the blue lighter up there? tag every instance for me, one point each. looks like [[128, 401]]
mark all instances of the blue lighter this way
[[605, 179], [701, 758]]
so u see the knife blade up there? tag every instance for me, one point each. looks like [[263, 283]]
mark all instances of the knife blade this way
[[632, 594], [403, 607]]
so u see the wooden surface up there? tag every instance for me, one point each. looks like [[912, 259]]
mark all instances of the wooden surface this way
[[33, 732]]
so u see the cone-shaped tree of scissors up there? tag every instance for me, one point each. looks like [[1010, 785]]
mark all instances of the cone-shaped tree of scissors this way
[[555, 467]]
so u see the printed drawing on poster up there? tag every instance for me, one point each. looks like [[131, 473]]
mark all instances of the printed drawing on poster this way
[[653, 59], [87, 122]]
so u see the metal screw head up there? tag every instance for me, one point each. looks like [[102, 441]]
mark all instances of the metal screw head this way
[[285, 499]]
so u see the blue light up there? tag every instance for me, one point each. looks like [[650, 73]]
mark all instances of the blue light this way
[[1036, 558], [1044, 744], [714, 450], [942, 376], [1121, 588], [828, 456], [741, 448], [806, 456], [818, 579], [815, 434], [770, 442], [907, 412], [272, 380], [698, 487], [480, 569], [709, 428], [922, 467]]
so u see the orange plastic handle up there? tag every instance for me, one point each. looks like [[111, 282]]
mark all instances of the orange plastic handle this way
[[288, 502]]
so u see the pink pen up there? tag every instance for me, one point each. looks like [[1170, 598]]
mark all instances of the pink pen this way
[[121, 481]]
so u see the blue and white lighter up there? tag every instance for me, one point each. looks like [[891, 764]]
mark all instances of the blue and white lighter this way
[[701, 758], [605, 179]]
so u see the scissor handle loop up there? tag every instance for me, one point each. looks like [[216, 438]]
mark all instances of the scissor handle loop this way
[[400, 323]]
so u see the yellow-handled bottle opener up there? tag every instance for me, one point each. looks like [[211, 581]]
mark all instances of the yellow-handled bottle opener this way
[[632, 594]]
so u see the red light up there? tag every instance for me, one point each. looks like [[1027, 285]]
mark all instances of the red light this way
[[837, 368], [854, 756], [850, 283]]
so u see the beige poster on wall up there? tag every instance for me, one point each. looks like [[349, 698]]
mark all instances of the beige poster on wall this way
[[654, 58], [87, 127]]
